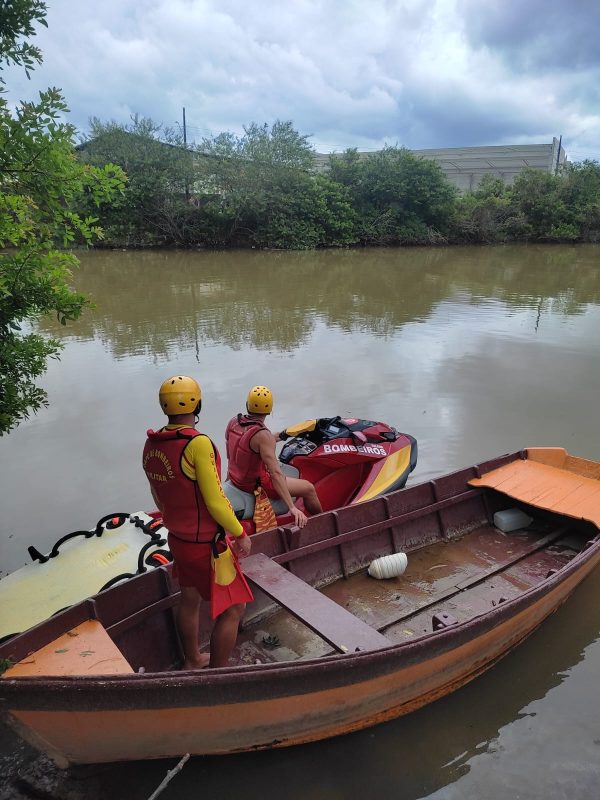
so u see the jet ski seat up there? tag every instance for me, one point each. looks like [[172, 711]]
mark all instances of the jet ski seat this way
[[243, 502]]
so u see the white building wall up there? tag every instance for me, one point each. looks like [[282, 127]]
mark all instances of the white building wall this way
[[466, 166]]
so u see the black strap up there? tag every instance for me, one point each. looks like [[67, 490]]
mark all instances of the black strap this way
[[247, 422], [150, 528], [218, 537], [179, 434]]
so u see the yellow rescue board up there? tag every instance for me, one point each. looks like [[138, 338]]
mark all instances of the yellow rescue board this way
[[81, 568]]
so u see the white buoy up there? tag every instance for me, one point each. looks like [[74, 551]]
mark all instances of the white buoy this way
[[388, 566], [512, 519]]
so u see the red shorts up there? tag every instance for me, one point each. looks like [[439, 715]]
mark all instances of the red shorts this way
[[192, 568], [191, 564], [267, 485]]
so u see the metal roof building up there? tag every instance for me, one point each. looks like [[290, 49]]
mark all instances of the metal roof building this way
[[466, 166]]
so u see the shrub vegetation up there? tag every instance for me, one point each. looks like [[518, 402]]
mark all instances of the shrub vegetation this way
[[261, 190]]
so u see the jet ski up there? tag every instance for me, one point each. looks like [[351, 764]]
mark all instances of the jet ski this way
[[348, 460]]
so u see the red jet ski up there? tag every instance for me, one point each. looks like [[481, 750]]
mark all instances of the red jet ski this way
[[347, 460]]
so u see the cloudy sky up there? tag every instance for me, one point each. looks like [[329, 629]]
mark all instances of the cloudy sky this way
[[350, 73]]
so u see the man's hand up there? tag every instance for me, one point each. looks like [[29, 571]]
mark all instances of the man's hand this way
[[242, 545], [299, 518]]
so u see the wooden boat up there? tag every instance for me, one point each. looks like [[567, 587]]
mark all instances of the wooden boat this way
[[325, 649]]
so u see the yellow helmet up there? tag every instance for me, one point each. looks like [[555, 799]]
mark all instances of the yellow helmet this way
[[180, 395], [259, 400]]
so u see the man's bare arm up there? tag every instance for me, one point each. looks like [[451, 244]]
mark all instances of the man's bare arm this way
[[264, 442]]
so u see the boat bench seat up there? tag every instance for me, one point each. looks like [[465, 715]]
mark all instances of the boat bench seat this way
[[325, 617], [84, 650]]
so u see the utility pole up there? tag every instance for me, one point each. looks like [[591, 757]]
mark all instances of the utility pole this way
[[557, 155], [187, 187]]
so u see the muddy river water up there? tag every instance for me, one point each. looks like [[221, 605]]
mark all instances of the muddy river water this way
[[474, 351]]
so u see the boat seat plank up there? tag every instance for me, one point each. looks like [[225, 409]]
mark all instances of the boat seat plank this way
[[85, 650], [325, 617], [547, 487]]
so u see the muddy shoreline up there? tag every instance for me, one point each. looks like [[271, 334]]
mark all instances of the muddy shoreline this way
[[25, 773]]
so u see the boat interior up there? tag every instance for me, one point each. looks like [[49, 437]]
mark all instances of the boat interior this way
[[313, 595]]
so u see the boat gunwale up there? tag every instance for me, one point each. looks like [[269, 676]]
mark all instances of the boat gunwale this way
[[447, 639]]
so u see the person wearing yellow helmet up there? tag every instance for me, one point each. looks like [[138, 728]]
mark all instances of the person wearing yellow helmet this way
[[183, 468], [252, 459]]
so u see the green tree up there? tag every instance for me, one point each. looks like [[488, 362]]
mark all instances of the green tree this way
[[153, 209], [40, 180], [485, 215], [339, 219], [580, 191], [279, 146], [260, 191], [248, 190], [399, 198], [542, 211]]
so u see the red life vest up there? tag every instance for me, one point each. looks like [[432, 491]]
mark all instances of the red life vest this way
[[245, 467], [185, 514]]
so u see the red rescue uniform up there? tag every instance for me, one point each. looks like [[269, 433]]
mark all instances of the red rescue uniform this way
[[185, 513], [245, 468], [184, 470]]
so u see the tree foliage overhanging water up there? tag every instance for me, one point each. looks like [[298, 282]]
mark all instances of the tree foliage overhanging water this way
[[260, 190], [41, 187]]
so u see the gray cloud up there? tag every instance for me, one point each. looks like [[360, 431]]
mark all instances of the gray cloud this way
[[424, 74], [537, 34]]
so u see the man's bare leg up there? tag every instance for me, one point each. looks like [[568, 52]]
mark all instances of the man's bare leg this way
[[224, 635], [188, 621], [305, 490]]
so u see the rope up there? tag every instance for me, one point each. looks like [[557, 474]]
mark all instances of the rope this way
[[116, 519], [169, 777], [109, 522]]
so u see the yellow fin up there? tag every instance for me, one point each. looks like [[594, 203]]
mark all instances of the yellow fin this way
[[224, 567]]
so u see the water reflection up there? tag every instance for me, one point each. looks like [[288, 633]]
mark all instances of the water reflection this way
[[475, 351], [159, 302]]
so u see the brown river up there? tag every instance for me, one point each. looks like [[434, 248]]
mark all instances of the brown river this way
[[474, 351]]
